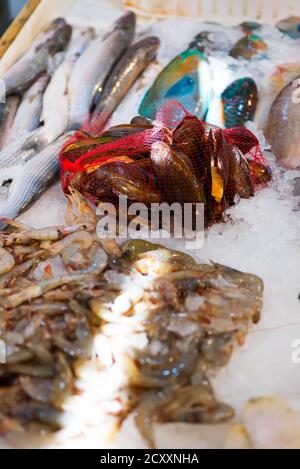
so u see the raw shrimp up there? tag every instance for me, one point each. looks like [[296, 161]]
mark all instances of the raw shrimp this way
[[44, 234], [78, 210], [81, 238], [7, 261], [37, 290]]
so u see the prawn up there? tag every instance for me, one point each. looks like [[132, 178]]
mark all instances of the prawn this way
[[7, 261]]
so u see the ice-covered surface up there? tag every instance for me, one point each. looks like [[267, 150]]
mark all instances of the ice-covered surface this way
[[262, 236]]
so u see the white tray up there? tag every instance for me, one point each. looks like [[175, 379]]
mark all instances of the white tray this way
[[226, 11]]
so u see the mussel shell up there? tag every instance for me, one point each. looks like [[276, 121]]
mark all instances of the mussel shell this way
[[127, 180], [176, 174], [240, 180]]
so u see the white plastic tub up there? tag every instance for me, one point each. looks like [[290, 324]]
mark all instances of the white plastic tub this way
[[227, 11]]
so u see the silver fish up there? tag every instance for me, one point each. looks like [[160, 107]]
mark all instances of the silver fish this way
[[27, 69], [81, 38], [12, 154], [284, 127], [9, 113], [56, 102], [94, 65], [46, 33], [29, 112], [23, 184], [130, 67]]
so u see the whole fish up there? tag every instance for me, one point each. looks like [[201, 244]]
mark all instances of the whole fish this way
[[249, 27], [9, 113], [248, 47], [56, 102], [236, 104], [208, 41], [130, 67], [28, 114], [187, 79], [284, 127], [290, 26], [13, 153], [93, 67], [282, 76], [23, 184], [27, 69]]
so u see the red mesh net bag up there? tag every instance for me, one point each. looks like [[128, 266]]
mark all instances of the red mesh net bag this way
[[176, 158]]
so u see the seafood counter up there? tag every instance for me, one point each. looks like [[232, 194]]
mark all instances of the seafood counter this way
[[105, 337]]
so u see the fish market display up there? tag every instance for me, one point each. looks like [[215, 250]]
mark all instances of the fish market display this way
[[93, 67], [152, 163], [283, 128], [99, 330], [146, 313], [185, 79], [53, 82], [197, 80], [129, 68]]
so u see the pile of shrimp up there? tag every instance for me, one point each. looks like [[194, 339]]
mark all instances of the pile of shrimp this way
[[94, 330]]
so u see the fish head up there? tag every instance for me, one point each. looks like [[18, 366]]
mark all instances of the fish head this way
[[208, 41], [126, 24], [148, 46], [59, 41], [248, 46], [53, 26], [249, 26], [202, 41], [48, 33]]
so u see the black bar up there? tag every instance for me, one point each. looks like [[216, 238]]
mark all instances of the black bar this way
[[135, 458]]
